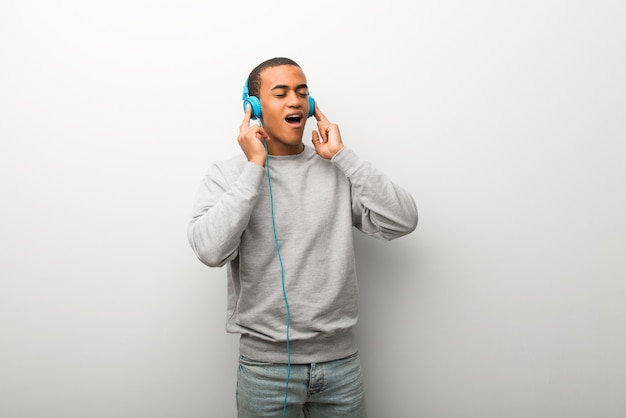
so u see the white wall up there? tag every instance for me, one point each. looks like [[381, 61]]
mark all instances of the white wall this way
[[506, 121]]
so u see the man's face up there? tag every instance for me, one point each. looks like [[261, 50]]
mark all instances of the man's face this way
[[285, 106]]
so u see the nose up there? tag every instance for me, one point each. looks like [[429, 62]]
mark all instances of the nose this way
[[293, 100]]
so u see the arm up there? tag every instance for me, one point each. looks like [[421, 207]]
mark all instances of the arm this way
[[379, 207], [226, 198], [221, 213]]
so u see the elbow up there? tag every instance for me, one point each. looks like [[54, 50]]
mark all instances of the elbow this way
[[206, 256], [409, 225], [413, 225], [210, 257], [206, 250], [407, 221], [406, 228]]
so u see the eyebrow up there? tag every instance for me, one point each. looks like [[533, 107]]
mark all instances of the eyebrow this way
[[285, 87]]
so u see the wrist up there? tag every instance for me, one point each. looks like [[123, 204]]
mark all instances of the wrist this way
[[258, 161], [336, 151]]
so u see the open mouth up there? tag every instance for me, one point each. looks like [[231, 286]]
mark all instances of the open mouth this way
[[293, 119]]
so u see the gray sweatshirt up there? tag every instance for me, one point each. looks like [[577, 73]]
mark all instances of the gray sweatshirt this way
[[316, 204]]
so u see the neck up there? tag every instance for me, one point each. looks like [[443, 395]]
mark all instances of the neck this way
[[275, 148]]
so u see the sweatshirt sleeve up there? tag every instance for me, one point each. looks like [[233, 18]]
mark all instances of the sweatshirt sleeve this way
[[380, 208], [221, 212]]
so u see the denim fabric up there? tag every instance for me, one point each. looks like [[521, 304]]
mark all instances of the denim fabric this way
[[332, 389]]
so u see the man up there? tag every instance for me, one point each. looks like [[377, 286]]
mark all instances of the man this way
[[280, 216]]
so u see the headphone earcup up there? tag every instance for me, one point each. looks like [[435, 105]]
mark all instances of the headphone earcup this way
[[311, 106], [251, 101], [255, 103]]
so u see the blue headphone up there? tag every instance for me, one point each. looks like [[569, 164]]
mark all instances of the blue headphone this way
[[255, 103]]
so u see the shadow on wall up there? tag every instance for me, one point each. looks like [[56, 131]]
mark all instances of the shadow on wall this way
[[386, 269], [389, 283], [389, 304]]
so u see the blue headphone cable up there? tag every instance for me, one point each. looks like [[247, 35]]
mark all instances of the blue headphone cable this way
[[282, 273]]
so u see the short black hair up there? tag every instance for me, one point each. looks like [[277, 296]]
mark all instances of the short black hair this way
[[254, 79]]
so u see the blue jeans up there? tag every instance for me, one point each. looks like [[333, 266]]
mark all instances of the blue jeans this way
[[332, 389]]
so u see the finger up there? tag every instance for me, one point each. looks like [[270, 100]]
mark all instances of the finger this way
[[246, 118], [315, 138], [319, 116], [323, 130], [262, 135]]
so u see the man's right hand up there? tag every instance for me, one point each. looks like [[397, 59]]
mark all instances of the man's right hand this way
[[251, 139]]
